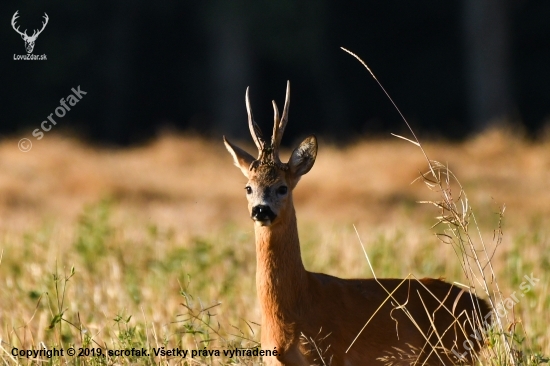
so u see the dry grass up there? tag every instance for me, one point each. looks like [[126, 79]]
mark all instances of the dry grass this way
[[150, 227]]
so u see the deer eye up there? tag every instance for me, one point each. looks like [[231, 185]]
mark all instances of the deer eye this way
[[248, 189], [282, 190]]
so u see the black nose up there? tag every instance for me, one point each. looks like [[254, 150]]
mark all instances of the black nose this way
[[262, 213]]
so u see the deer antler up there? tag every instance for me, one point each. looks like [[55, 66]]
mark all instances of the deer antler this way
[[24, 34], [37, 33], [13, 19], [269, 153], [254, 128], [279, 124]]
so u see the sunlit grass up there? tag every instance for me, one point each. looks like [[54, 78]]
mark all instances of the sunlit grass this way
[[163, 250]]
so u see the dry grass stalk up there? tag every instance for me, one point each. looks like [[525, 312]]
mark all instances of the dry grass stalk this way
[[456, 216]]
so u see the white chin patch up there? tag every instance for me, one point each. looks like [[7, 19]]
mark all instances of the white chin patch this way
[[263, 223]]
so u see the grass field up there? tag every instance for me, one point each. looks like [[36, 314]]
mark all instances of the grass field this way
[[152, 246]]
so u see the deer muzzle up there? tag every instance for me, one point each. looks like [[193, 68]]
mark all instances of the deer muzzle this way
[[263, 214]]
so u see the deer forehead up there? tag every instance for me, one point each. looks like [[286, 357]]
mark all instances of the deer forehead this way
[[267, 176]]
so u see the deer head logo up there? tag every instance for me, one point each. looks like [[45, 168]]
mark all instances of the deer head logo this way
[[29, 40]]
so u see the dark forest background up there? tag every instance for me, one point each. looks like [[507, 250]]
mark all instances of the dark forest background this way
[[453, 67]]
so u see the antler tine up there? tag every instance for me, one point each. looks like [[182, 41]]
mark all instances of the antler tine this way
[[14, 17], [254, 128], [280, 125], [276, 121]]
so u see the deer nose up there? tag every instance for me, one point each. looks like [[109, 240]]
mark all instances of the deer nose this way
[[262, 213]]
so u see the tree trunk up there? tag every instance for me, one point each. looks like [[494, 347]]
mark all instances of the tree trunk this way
[[486, 25]]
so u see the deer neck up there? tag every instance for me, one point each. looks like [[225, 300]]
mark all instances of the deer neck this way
[[281, 278]]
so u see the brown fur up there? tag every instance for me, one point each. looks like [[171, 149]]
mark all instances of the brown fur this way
[[333, 310], [313, 318]]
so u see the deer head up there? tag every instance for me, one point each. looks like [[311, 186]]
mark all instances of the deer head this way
[[270, 181], [29, 41]]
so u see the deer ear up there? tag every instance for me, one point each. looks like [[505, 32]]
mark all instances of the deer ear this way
[[303, 157], [241, 158]]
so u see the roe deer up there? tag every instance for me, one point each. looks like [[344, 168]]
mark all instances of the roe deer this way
[[329, 312]]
